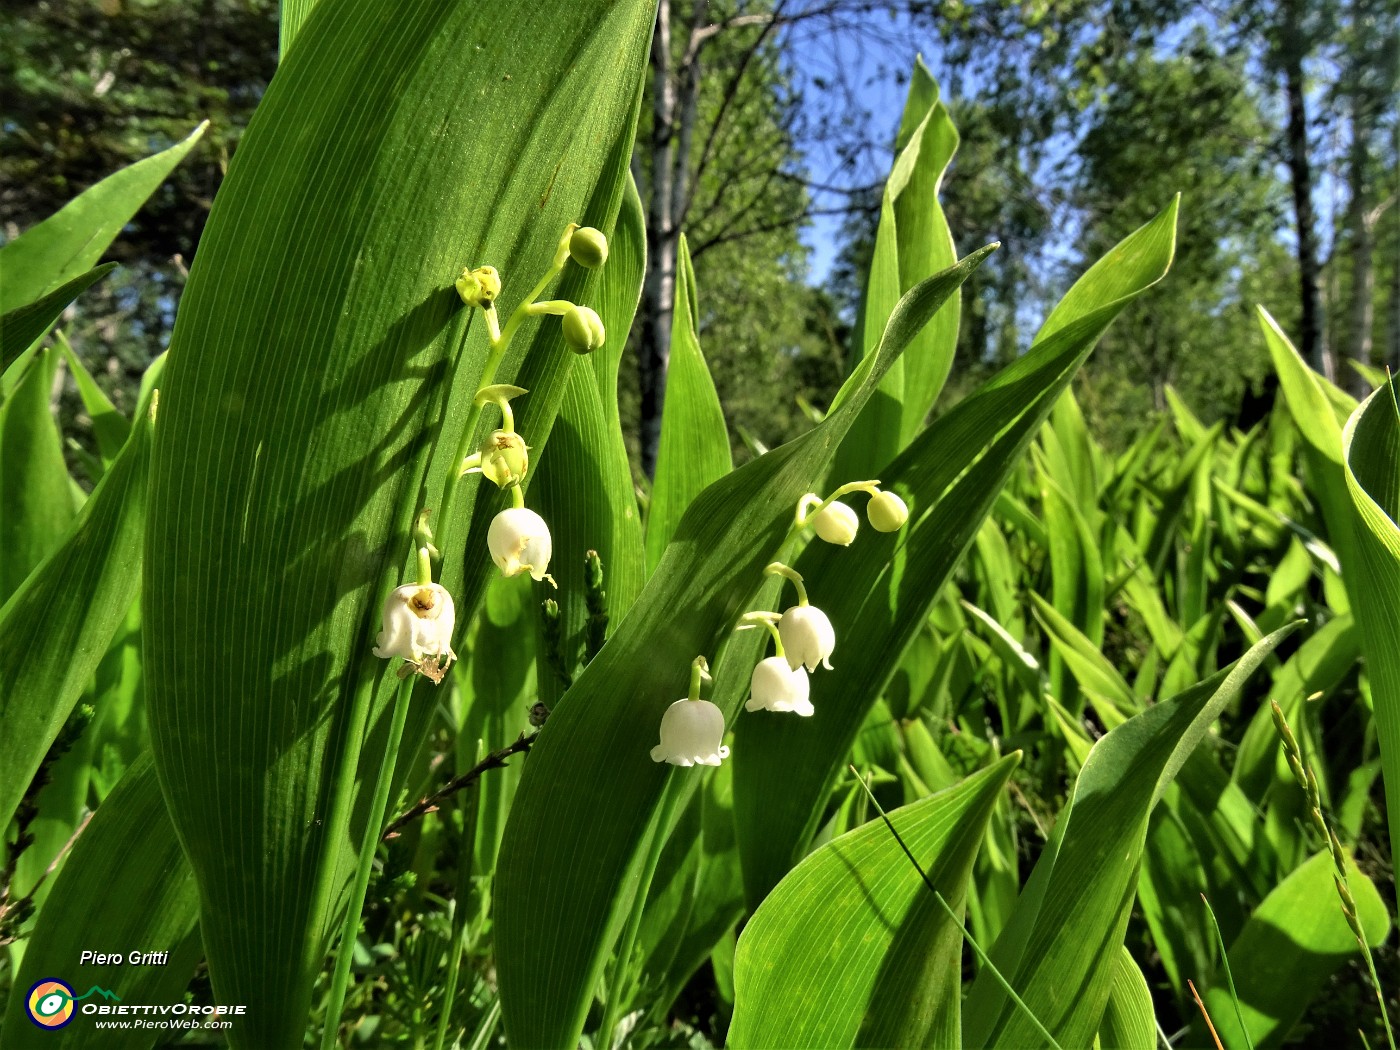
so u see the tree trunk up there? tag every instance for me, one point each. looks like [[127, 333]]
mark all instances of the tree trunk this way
[[659, 287], [1310, 343]]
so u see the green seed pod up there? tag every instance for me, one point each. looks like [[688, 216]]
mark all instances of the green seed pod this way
[[583, 330], [588, 247]]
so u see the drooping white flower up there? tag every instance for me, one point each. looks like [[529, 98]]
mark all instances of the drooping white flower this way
[[886, 512], [777, 687], [837, 523], [418, 620], [808, 637], [519, 542], [691, 731]]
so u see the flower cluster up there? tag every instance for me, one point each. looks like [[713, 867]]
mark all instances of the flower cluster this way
[[419, 618], [803, 637]]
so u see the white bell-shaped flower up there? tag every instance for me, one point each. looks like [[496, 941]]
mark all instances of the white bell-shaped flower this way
[[886, 511], [691, 731], [808, 637], [777, 687], [837, 523], [418, 621], [519, 542]]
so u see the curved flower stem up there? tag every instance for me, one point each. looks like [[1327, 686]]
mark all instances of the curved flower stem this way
[[777, 568], [619, 983], [811, 505], [766, 619], [346, 951], [517, 495]]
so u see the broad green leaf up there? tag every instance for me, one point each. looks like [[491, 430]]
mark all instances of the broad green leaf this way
[[36, 496], [58, 624], [1060, 950], [318, 354], [1129, 1022], [601, 732], [1323, 659], [126, 887], [878, 592], [109, 426], [719, 890], [20, 327], [694, 449], [852, 948], [1318, 418], [1295, 940], [1371, 446], [68, 243]]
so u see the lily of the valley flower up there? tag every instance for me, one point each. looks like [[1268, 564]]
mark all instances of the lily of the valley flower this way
[[418, 619], [886, 511], [808, 637], [837, 523], [519, 542], [692, 729], [777, 687]]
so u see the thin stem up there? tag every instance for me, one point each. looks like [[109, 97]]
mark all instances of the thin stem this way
[[425, 567], [810, 505], [618, 985], [555, 307], [967, 935], [495, 760], [517, 496], [346, 951], [1229, 977], [777, 568]]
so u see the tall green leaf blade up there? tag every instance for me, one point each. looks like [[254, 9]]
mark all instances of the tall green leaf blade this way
[[109, 426], [1371, 449], [308, 375], [36, 496], [1129, 1021], [877, 592], [20, 327], [694, 448], [69, 242], [1312, 402], [1293, 942], [58, 624], [126, 887], [602, 731], [1060, 950], [851, 948], [925, 246]]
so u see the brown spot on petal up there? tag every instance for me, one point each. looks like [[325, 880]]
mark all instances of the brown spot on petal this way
[[423, 601]]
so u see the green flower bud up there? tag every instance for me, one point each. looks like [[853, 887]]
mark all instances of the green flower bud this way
[[504, 458], [479, 287], [588, 247], [583, 330], [886, 512]]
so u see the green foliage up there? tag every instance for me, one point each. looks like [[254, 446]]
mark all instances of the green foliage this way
[[314, 432]]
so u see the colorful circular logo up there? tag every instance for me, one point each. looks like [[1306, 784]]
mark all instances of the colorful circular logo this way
[[50, 1003]]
